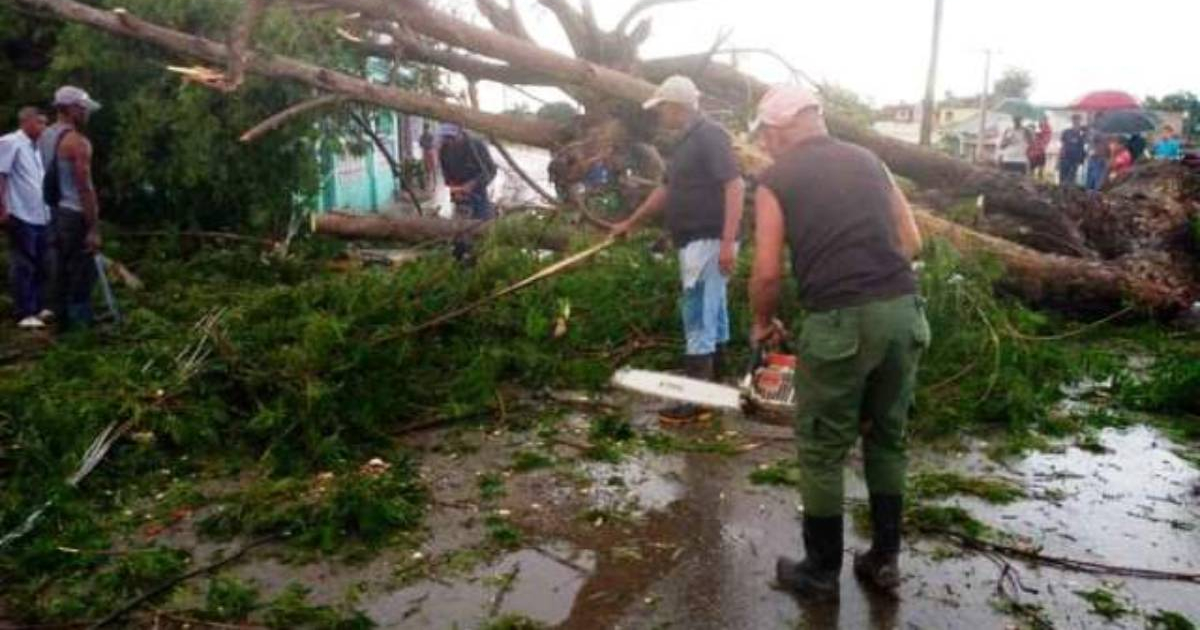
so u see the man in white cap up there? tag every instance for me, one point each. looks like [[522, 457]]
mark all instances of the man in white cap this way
[[74, 208], [852, 239], [702, 198]]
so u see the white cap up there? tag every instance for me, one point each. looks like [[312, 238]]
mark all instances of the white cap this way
[[781, 104], [676, 89], [68, 95]]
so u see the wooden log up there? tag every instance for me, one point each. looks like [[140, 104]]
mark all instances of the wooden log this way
[[415, 230], [388, 228], [1065, 282]]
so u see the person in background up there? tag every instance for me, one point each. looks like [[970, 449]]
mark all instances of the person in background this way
[[702, 198], [1168, 146], [429, 156], [25, 216], [1120, 160], [74, 208], [1137, 146], [1039, 147], [852, 239], [468, 169], [1014, 148], [1097, 164], [1073, 152]]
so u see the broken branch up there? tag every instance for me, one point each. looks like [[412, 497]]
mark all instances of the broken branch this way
[[277, 120]]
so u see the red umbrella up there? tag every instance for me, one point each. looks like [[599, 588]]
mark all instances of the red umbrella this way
[[1106, 100]]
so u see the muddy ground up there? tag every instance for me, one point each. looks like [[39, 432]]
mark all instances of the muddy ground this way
[[679, 537]]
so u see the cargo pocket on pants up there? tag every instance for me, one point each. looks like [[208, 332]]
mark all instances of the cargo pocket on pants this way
[[922, 335], [829, 337]]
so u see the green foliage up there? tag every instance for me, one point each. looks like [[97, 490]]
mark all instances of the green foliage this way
[[932, 519], [491, 486], [1169, 620], [611, 427], [229, 599], [1171, 386], [525, 461], [1104, 603], [167, 152], [782, 473], [1014, 83], [501, 532], [940, 485], [846, 104], [291, 609], [327, 512], [1032, 614]]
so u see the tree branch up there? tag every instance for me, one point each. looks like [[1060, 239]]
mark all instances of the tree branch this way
[[277, 120], [531, 132], [506, 20], [563, 70], [637, 9], [239, 42], [397, 168], [579, 33]]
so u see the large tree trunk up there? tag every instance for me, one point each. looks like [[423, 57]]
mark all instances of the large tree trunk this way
[[415, 230], [1067, 222], [1064, 282]]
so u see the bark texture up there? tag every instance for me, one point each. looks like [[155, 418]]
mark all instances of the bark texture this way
[[1133, 241]]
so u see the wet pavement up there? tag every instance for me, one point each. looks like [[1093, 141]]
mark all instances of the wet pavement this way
[[685, 540]]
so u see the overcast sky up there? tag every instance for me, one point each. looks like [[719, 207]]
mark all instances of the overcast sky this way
[[880, 48]]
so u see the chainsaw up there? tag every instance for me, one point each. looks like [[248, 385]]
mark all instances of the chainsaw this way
[[768, 385]]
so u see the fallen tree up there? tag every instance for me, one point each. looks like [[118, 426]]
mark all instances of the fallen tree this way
[[416, 230], [609, 80]]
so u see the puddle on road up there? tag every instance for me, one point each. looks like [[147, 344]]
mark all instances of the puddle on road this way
[[694, 544], [539, 583]]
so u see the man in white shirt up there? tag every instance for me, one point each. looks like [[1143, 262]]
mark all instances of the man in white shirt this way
[[1014, 148], [24, 215]]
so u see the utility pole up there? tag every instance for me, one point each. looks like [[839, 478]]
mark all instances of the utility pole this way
[[983, 104], [930, 108]]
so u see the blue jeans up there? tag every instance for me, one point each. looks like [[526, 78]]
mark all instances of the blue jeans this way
[[705, 311], [480, 209], [26, 265], [1097, 173]]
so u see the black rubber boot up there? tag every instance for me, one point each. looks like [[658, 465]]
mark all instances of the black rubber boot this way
[[880, 567], [816, 577], [700, 367]]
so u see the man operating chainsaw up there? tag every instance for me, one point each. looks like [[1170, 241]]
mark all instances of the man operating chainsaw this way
[[852, 238], [703, 198]]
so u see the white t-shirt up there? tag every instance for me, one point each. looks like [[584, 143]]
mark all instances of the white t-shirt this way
[[1014, 147], [21, 164]]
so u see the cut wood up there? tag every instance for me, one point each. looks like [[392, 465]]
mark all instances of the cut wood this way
[[414, 230], [1074, 284]]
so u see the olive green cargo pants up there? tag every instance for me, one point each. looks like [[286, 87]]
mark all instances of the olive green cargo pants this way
[[857, 375]]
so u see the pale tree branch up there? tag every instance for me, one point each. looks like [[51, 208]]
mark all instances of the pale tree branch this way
[[397, 168], [279, 119], [506, 20], [531, 132]]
